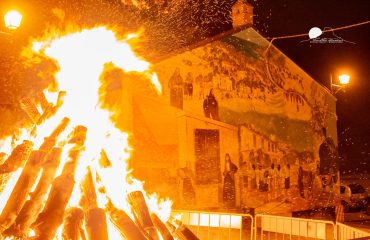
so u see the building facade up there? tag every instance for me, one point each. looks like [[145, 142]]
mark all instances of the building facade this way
[[238, 125]]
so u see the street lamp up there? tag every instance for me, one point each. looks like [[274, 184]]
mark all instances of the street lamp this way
[[12, 20], [343, 81]]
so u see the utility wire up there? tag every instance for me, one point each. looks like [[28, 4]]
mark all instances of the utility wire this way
[[327, 30], [306, 34]]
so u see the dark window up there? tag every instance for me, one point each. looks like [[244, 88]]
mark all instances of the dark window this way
[[254, 140], [207, 154], [342, 189], [356, 188]]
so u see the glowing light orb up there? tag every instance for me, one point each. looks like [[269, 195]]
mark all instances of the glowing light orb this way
[[314, 32], [13, 19]]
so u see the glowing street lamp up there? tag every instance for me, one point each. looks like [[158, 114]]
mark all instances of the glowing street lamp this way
[[343, 81], [13, 20]]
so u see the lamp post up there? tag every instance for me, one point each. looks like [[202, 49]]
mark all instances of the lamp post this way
[[343, 81], [12, 20]]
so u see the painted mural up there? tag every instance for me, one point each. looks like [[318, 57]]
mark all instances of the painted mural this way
[[246, 127]]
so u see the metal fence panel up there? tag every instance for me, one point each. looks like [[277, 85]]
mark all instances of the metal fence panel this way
[[279, 227], [217, 225], [345, 232]]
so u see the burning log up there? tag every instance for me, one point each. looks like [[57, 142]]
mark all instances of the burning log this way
[[48, 109], [17, 158], [28, 178], [34, 206], [89, 194], [180, 231], [29, 107], [72, 227], [141, 213], [124, 224], [166, 235], [50, 141], [96, 222], [20, 192], [52, 215], [2, 157]]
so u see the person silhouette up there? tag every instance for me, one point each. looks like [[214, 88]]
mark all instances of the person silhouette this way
[[210, 106]]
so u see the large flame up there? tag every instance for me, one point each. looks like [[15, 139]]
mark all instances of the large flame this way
[[81, 57]]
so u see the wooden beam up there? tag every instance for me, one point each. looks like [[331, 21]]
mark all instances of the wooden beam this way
[[141, 213], [73, 224], [124, 223], [17, 158], [33, 207], [52, 215], [21, 190]]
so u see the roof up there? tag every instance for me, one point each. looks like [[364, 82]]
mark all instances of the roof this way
[[246, 32]]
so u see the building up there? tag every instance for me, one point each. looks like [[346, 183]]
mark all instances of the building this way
[[232, 96]]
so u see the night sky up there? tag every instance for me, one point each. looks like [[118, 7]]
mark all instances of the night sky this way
[[272, 18], [286, 17]]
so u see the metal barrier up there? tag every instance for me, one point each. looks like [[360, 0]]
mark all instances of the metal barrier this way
[[279, 227], [345, 232], [228, 226], [217, 225]]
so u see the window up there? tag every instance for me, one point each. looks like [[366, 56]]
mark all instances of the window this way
[[356, 188], [342, 189], [207, 156], [254, 140]]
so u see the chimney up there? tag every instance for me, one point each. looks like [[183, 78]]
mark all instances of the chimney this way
[[242, 13]]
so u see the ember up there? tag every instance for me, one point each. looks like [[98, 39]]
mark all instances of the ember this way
[[77, 184]]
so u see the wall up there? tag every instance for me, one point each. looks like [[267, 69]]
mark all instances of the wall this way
[[241, 80]]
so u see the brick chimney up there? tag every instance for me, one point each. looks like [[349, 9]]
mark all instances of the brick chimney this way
[[242, 13]]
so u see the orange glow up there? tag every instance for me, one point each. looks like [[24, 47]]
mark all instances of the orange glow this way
[[344, 79], [13, 19], [81, 57]]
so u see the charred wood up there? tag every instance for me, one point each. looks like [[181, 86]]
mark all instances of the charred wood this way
[[141, 213], [30, 108], [89, 193], [73, 224], [48, 109], [124, 223], [96, 224], [166, 235], [180, 231], [17, 158], [52, 215], [21, 190], [33, 207], [50, 141]]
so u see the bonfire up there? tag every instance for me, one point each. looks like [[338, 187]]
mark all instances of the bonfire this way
[[68, 176]]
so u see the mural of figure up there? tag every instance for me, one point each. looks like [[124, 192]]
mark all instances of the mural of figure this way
[[329, 159], [300, 182], [273, 178], [200, 81], [251, 156], [253, 175], [210, 106], [286, 175], [188, 86], [188, 192], [229, 182], [244, 181], [263, 179], [175, 85], [279, 178]]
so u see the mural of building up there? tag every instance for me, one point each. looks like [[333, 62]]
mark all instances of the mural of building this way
[[238, 125]]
